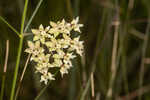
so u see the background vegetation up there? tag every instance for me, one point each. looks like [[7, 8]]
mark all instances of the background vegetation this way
[[116, 61]]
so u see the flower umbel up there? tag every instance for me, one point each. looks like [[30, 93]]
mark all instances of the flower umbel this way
[[55, 46]]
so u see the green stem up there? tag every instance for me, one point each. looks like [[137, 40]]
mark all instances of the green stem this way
[[34, 13], [43, 90], [124, 70], [23, 17], [72, 81], [19, 52], [85, 89], [16, 68], [11, 27]]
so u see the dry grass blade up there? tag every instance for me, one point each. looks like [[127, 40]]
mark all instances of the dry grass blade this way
[[114, 58], [92, 85], [147, 60], [4, 71], [6, 57], [22, 75], [135, 93], [137, 34], [141, 74]]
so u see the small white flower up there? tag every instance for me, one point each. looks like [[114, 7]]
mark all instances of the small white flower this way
[[41, 33], [77, 45], [63, 70], [46, 77], [34, 48], [75, 25], [68, 63]]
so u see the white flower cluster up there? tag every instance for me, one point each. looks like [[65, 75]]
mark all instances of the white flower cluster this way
[[55, 46]]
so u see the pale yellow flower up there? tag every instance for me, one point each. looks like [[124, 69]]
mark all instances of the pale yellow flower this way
[[75, 25], [63, 70], [46, 77], [77, 45], [34, 48], [41, 33], [54, 46]]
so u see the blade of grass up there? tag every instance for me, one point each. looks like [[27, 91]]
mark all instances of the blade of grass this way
[[98, 48], [134, 94], [5, 69], [22, 75], [141, 74], [85, 90], [124, 72], [42, 91], [33, 15], [11, 27], [114, 58], [137, 34], [19, 51], [92, 86], [123, 40]]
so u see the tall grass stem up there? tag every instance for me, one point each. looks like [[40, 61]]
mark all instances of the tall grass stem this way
[[145, 43], [114, 59], [19, 51]]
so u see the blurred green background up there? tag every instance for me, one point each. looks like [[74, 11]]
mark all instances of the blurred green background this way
[[99, 18]]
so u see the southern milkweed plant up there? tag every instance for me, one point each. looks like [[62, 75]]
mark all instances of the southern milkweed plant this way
[[55, 46], [52, 47]]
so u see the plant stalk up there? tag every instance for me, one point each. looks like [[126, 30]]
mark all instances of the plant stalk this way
[[19, 51]]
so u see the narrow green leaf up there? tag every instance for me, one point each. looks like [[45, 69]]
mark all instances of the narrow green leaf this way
[[34, 13], [11, 27]]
